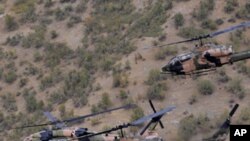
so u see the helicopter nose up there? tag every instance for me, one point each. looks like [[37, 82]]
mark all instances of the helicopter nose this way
[[165, 68]]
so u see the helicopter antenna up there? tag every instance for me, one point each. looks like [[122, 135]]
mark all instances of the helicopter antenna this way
[[76, 118], [210, 35], [155, 117]]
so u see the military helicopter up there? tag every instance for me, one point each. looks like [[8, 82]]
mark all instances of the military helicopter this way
[[154, 118], [61, 132], [222, 133], [206, 56]]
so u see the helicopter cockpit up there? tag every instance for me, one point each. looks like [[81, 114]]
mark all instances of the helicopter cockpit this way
[[180, 58]]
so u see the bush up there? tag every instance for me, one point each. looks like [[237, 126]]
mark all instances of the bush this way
[[123, 95], [178, 20], [9, 102], [205, 87], [35, 39], [60, 15], [82, 6], [137, 113], [244, 12], [14, 40], [236, 88], [190, 32], [164, 52], [120, 80], [209, 24], [29, 16], [154, 77], [105, 102], [32, 105], [222, 77], [23, 82], [10, 77], [187, 128], [149, 24], [73, 20], [206, 6], [245, 116], [230, 6], [10, 23], [156, 91]]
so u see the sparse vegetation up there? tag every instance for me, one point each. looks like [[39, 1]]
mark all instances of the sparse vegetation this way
[[178, 20], [205, 87], [230, 6], [206, 6], [156, 91], [189, 32], [137, 113], [10, 23], [236, 88]]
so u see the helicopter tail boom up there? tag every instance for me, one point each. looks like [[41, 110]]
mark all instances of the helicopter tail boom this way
[[240, 56]]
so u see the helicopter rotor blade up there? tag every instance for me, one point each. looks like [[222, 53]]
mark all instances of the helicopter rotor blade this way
[[232, 28], [76, 118], [152, 106], [146, 127], [226, 124], [152, 116]]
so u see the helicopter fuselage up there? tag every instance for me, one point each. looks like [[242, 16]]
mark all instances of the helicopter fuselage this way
[[204, 57]]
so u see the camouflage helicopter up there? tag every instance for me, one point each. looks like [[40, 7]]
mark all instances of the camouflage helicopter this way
[[62, 133], [154, 118], [222, 133], [206, 56]]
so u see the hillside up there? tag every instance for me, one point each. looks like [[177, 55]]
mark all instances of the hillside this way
[[74, 57]]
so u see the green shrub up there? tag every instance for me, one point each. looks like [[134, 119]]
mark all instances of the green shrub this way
[[154, 77], [178, 20], [164, 52], [123, 95], [10, 23], [206, 6], [209, 24], [10, 77], [190, 32], [9, 102], [105, 102], [53, 34], [137, 113], [149, 23], [187, 127], [32, 105], [73, 20], [35, 39], [29, 16], [37, 57], [120, 80], [48, 3], [205, 87], [222, 77], [236, 88], [245, 116], [156, 91], [244, 12], [82, 6], [23, 82], [230, 6], [60, 15], [14, 40]]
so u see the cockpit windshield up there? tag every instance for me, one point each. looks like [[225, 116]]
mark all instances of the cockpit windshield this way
[[181, 58]]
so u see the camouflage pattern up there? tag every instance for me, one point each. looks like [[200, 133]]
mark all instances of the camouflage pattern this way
[[205, 57], [65, 134]]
